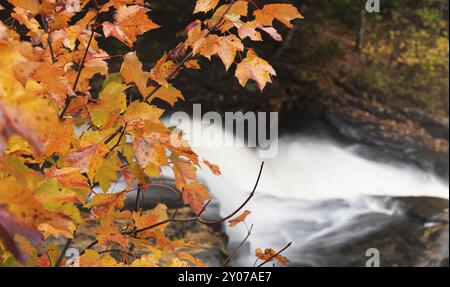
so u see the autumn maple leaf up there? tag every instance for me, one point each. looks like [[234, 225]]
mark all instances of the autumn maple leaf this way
[[254, 68], [130, 21]]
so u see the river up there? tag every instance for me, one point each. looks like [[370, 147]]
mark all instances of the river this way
[[318, 194]]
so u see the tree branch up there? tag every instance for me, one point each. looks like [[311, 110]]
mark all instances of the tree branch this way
[[63, 252], [49, 39], [117, 250], [149, 98], [138, 195], [81, 66], [111, 137], [249, 232], [202, 221], [194, 219]]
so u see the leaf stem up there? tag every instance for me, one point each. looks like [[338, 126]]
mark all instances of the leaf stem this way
[[80, 67]]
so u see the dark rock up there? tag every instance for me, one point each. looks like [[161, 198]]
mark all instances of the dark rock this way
[[418, 236]]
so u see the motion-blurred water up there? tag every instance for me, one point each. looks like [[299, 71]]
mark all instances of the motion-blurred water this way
[[310, 191]]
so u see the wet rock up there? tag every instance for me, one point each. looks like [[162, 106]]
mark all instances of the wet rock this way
[[417, 236]]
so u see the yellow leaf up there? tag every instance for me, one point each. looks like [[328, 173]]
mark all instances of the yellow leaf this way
[[132, 72], [29, 116], [112, 102], [139, 112], [108, 172], [205, 5]]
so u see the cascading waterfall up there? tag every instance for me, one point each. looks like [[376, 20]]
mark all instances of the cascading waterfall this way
[[309, 191]]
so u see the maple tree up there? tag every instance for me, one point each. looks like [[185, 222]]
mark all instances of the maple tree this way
[[63, 146]]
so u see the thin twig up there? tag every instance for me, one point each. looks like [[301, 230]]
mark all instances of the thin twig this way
[[117, 250], [138, 194], [122, 133], [275, 255], [154, 185], [49, 38], [92, 244], [206, 222], [249, 232], [111, 137], [80, 67], [63, 253], [194, 219]]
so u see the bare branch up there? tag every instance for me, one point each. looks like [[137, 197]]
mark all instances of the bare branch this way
[[81, 66], [235, 251], [138, 195], [63, 252], [49, 38], [117, 250]]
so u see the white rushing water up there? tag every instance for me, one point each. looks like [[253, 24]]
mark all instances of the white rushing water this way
[[295, 185]]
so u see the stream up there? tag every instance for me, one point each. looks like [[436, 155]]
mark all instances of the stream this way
[[331, 203]]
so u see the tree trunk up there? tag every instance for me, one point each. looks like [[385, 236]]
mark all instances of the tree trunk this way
[[361, 26]]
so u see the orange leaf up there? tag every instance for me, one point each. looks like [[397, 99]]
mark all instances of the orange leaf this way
[[103, 204], [162, 70], [143, 220], [111, 234], [88, 159], [132, 72], [130, 21], [284, 13], [239, 219], [183, 171], [228, 46], [150, 153], [196, 195], [269, 254], [214, 168], [248, 29], [205, 5], [169, 94], [32, 6], [192, 64], [254, 68]]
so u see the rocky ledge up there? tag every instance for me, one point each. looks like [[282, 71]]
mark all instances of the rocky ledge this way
[[417, 235]]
